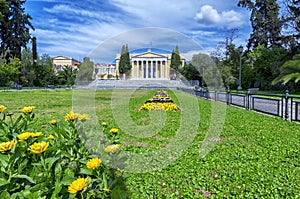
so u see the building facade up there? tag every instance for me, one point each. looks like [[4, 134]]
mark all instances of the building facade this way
[[149, 65], [106, 71], [59, 62]]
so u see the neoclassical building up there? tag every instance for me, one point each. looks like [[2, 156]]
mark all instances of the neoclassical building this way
[[149, 65]]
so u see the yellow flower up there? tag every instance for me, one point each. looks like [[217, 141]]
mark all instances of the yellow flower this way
[[2, 108], [83, 117], [53, 122], [77, 185], [37, 134], [93, 163], [38, 147], [24, 136], [51, 137], [6, 146], [28, 109], [71, 116], [112, 148], [114, 130]]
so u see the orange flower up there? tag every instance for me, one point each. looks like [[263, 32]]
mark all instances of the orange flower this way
[[93, 163], [77, 185]]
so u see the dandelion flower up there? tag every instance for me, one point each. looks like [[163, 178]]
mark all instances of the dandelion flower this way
[[51, 137], [77, 185], [114, 130], [38, 147], [6, 146], [53, 122], [2, 108], [24, 136], [28, 109], [71, 116], [93, 163], [37, 134]]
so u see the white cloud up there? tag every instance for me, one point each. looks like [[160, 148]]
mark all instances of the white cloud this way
[[209, 16]]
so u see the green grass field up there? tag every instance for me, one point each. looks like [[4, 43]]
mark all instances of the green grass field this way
[[256, 156]]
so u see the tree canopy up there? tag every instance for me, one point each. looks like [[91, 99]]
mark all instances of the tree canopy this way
[[124, 64], [14, 27]]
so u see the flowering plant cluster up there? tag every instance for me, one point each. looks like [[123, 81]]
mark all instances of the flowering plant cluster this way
[[53, 163], [160, 101]]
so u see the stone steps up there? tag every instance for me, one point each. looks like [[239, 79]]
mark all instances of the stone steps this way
[[136, 84]]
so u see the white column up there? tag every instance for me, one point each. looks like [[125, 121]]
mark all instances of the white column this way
[[137, 70], [160, 69], [156, 71], [166, 68], [151, 69], [147, 70], [142, 66], [132, 69]]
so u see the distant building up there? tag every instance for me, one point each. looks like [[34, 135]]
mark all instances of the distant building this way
[[59, 62], [106, 71], [151, 64]]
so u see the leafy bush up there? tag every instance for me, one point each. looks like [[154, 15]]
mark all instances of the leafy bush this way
[[53, 164]]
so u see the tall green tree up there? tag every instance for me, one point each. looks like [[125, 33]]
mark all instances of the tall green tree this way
[[15, 28], [66, 76], [86, 70], [9, 72], [291, 22], [265, 22], [175, 59], [3, 9], [289, 71], [44, 71], [124, 64], [191, 73], [207, 69], [266, 64], [27, 72]]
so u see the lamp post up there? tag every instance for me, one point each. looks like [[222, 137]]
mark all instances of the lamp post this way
[[240, 48]]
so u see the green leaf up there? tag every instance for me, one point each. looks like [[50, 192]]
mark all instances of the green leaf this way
[[50, 161], [5, 195], [67, 180], [86, 171], [4, 160], [25, 177], [58, 187], [3, 182]]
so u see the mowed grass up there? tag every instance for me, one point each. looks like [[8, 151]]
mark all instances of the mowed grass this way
[[256, 156]]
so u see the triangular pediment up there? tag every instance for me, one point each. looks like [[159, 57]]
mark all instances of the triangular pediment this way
[[148, 55]]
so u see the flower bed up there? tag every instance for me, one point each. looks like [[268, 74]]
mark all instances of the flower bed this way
[[161, 101]]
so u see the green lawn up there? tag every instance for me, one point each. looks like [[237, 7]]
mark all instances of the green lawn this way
[[256, 156]]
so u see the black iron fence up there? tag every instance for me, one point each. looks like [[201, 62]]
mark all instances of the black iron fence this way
[[284, 105]]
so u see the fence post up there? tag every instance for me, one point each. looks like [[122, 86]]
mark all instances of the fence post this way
[[248, 100], [286, 113], [228, 97], [216, 95], [207, 94]]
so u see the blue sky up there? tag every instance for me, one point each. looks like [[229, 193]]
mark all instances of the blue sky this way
[[81, 28]]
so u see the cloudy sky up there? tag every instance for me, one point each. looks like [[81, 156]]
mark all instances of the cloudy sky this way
[[81, 28]]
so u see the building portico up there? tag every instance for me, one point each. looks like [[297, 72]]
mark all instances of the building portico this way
[[149, 65], [152, 68]]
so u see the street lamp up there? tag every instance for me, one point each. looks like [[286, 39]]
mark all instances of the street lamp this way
[[240, 48]]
